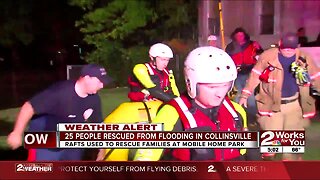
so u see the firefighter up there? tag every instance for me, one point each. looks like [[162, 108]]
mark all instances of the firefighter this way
[[285, 75], [209, 72], [153, 80]]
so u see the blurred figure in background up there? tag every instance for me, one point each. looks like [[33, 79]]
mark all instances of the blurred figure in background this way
[[212, 41], [244, 53]]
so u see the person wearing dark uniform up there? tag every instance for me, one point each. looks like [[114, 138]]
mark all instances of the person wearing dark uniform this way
[[64, 102]]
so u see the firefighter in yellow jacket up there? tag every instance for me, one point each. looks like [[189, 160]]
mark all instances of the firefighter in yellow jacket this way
[[285, 75]]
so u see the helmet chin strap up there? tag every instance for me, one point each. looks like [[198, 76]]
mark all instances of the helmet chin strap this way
[[153, 61], [231, 85]]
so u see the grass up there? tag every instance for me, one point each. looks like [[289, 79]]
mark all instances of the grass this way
[[111, 98], [312, 142]]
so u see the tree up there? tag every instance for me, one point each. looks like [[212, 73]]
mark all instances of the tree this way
[[121, 32], [178, 18], [15, 25]]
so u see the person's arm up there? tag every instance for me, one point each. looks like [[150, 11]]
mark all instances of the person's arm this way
[[15, 137], [23, 117], [141, 73], [39, 104]]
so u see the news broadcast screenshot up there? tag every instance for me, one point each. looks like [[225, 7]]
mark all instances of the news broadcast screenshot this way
[[159, 89]]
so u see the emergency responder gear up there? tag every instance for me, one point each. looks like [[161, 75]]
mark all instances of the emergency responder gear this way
[[213, 65], [203, 65], [147, 83], [138, 112], [301, 74], [314, 92], [264, 77], [243, 114], [269, 96], [160, 50], [170, 114]]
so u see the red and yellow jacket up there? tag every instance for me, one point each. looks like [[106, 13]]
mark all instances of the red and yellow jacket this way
[[244, 55], [147, 82], [181, 110]]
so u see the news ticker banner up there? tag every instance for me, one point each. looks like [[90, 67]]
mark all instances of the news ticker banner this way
[[162, 170], [151, 136]]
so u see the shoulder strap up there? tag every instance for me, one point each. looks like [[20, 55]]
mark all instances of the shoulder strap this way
[[231, 110], [166, 71], [150, 70], [186, 117]]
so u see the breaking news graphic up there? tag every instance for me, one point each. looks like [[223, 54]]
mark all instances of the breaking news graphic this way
[[135, 136]]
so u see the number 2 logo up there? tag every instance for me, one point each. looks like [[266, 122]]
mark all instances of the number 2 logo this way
[[19, 167], [268, 136], [211, 168]]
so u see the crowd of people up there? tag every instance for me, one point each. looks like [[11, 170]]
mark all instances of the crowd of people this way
[[272, 85]]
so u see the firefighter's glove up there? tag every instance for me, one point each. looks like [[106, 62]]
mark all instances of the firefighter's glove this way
[[301, 74]]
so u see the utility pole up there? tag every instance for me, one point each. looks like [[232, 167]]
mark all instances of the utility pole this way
[[205, 19]]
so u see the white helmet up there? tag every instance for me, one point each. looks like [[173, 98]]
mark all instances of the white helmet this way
[[160, 50], [212, 38], [208, 65]]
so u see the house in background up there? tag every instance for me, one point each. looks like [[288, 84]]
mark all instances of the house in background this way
[[264, 20]]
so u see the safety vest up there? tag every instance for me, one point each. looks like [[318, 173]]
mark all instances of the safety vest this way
[[158, 78], [227, 120]]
